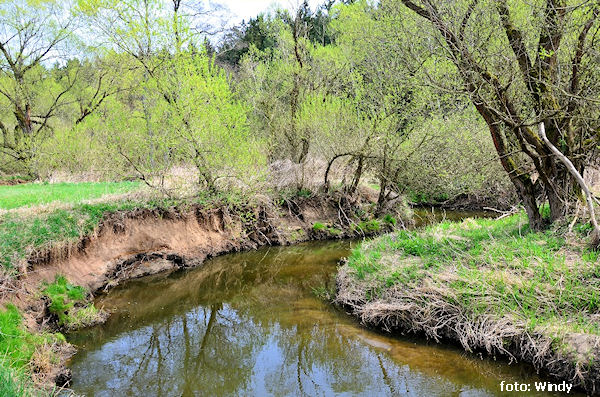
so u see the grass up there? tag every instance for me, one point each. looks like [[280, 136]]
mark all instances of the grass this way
[[68, 302], [13, 382], [318, 226], [332, 231], [490, 285], [369, 226], [17, 346], [44, 193], [63, 296], [495, 267]]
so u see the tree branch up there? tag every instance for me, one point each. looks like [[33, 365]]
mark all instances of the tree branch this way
[[579, 178]]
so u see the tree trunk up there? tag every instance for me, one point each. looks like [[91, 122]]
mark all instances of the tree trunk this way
[[579, 178], [328, 169], [357, 175], [526, 193], [558, 205], [381, 199]]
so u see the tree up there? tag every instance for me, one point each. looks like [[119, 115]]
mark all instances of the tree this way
[[521, 64], [386, 92], [261, 32], [277, 81], [31, 34], [184, 111]]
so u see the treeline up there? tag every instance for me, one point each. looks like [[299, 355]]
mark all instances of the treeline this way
[[399, 94]]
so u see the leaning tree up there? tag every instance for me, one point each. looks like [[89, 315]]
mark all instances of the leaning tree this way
[[524, 64]]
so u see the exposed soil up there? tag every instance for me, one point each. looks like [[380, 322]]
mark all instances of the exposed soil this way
[[12, 182], [138, 243]]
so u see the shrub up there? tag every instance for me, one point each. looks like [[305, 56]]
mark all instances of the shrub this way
[[390, 220], [371, 226]]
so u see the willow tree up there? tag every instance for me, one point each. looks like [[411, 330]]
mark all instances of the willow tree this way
[[522, 63], [382, 79], [45, 89]]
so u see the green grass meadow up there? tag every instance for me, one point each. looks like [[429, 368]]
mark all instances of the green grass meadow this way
[[31, 194]]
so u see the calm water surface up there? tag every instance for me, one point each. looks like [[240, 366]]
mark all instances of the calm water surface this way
[[250, 324]]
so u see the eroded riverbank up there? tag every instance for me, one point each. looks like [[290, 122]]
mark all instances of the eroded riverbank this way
[[102, 245]]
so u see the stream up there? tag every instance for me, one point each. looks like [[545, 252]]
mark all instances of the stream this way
[[251, 324]]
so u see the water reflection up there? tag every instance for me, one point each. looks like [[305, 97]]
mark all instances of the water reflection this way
[[249, 324]]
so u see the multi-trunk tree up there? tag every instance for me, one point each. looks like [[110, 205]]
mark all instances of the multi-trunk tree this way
[[29, 36], [44, 85], [522, 64]]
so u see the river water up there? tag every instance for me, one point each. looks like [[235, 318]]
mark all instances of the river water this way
[[251, 324]]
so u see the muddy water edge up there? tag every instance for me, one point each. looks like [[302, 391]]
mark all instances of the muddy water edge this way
[[252, 324]]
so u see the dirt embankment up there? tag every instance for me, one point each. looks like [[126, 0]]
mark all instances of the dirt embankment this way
[[137, 243]]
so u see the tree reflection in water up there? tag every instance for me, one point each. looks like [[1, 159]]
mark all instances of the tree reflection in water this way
[[249, 324]]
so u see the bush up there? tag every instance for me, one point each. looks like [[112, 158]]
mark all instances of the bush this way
[[390, 220], [371, 226]]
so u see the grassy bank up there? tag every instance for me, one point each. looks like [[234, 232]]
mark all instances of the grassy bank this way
[[489, 284], [23, 354], [22, 235]]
